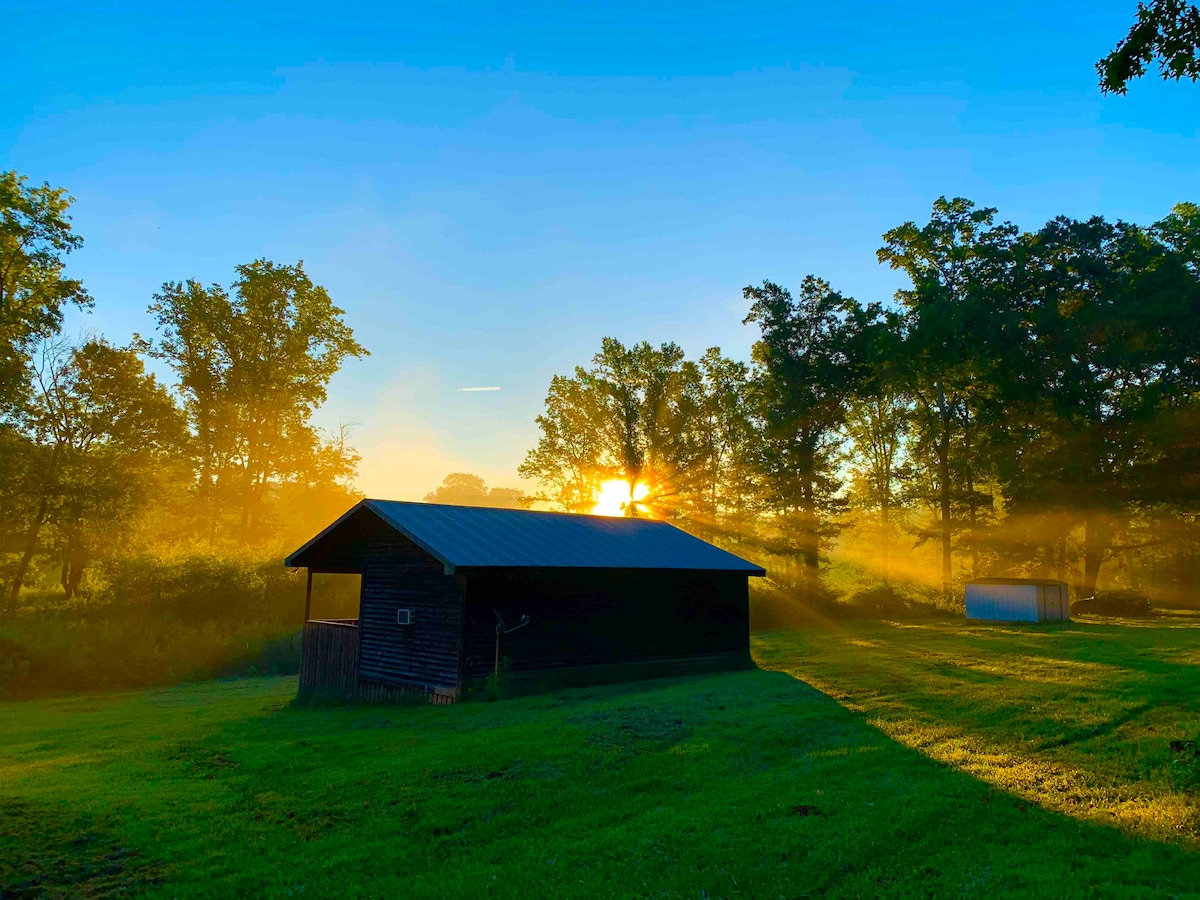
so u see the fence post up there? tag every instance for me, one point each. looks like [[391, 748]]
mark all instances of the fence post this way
[[308, 594]]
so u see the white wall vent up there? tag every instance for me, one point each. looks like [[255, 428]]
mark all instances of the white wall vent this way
[[404, 617]]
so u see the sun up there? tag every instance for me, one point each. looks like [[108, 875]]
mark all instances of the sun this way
[[614, 496]]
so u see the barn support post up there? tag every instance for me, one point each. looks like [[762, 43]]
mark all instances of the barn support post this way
[[308, 594]]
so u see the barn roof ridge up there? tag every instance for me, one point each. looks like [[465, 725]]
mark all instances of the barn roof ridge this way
[[478, 537], [518, 509]]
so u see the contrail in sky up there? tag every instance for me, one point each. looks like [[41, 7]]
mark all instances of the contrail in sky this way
[[473, 390]]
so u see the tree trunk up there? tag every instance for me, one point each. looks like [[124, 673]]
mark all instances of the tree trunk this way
[[943, 454], [974, 524], [809, 547], [885, 521], [1097, 537], [30, 548], [73, 562]]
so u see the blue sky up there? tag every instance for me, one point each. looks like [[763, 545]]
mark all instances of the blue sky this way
[[488, 190]]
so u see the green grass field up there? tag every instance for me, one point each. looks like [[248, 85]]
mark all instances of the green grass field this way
[[866, 760]]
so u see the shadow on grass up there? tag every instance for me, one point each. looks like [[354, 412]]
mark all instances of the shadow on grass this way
[[738, 784], [1078, 720]]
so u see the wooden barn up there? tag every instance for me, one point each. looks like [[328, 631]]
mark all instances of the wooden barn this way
[[448, 593]]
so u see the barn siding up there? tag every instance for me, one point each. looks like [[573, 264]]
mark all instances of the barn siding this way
[[399, 575], [603, 618]]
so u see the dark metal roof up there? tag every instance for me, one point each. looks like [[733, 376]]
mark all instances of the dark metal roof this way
[[464, 537]]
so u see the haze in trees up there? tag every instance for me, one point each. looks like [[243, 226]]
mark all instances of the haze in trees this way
[[254, 363], [1029, 405], [465, 489], [668, 429]]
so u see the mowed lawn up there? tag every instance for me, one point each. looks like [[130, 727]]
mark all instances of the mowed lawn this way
[[866, 760]]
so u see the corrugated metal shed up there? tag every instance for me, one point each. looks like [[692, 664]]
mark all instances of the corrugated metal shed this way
[[1017, 600], [470, 537]]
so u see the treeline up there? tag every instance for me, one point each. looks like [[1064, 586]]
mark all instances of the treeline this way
[[1029, 405], [136, 501]]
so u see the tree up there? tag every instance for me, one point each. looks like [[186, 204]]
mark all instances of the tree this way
[[254, 363], [809, 363], [464, 489], [633, 417], [726, 480], [649, 401], [1166, 30], [108, 426], [959, 263], [1098, 384], [645, 416], [35, 237], [569, 459]]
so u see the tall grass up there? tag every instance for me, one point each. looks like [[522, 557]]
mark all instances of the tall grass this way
[[165, 618]]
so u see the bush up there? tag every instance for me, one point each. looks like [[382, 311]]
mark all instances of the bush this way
[[886, 602], [1115, 603]]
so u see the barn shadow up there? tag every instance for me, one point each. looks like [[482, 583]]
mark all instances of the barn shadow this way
[[773, 776], [753, 753]]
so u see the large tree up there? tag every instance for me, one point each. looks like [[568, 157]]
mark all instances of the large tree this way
[[104, 429], [810, 362], [642, 415], [570, 458], [35, 238], [254, 363], [1098, 383], [959, 262]]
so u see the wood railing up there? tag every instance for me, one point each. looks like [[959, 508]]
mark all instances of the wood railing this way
[[329, 659]]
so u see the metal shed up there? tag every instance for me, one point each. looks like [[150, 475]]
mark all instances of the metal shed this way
[[599, 596], [1017, 600]]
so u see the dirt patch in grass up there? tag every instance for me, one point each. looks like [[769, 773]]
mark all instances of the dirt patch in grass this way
[[47, 854]]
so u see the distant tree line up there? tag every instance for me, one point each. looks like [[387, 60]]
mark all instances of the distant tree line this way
[[102, 462], [1029, 405]]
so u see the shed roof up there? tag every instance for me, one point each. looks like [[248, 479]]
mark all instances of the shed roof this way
[[1016, 581], [467, 537]]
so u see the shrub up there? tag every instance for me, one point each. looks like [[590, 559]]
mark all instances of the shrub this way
[[1115, 603]]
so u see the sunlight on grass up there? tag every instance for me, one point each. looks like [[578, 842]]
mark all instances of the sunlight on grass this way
[[1082, 725], [1138, 806], [15, 771], [745, 784]]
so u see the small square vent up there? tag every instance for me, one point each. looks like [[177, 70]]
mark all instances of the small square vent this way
[[404, 617]]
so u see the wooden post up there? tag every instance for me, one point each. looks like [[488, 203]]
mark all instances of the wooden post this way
[[308, 595]]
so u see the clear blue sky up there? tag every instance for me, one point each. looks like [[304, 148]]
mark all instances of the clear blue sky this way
[[487, 190]]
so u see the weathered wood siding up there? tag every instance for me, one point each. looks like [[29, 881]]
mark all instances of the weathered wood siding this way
[[329, 668], [607, 618], [397, 574]]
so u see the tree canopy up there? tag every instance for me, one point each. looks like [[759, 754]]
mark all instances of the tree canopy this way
[[1165, 30], [35, 238]]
